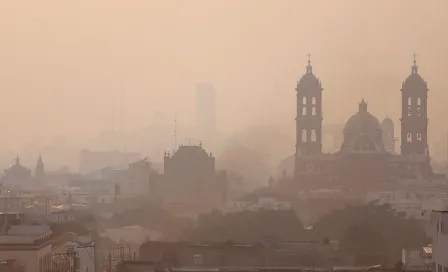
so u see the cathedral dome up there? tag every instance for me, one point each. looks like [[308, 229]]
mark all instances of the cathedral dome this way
[[363, 133], [387, 122], [309, 80], [414, 79], [362, 121]]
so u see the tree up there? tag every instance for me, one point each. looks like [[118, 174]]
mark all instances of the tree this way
[[154, 218], [247, 226], [372, 229]]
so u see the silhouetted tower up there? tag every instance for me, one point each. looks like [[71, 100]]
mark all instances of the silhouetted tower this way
[[388, 134], [414, 120], [40, 168], [309, 117]]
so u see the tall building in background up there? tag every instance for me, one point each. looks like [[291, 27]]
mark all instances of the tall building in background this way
[[388, 127], [206, 114]]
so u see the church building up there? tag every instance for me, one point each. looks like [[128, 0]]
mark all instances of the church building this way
[[190, 181], [366, 158]]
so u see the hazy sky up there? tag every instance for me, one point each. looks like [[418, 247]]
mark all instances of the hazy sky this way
[[66, 65]]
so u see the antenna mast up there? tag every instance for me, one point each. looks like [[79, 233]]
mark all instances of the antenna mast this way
[[175, 133]]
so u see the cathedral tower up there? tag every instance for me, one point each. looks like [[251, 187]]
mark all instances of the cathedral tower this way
[[414, 118], [309, 117], [40, 169]]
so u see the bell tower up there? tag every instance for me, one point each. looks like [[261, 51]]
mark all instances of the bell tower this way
[[309, 118], [414, 118]]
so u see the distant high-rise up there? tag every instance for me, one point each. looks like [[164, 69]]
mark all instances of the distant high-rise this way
[[206, 113], [388, 134]]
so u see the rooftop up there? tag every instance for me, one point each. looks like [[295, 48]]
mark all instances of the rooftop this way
[[26, 234]]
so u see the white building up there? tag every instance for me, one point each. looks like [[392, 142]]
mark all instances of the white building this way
[[415, 201], [29, 245], [62, 216], [85, 253], [262, 203], [417, 259], [82, 247], [438, 230]]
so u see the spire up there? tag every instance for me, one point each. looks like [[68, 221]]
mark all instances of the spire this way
[[309, 68], [40, 168], [415, 67], [39, 160], [17, 159], [362, 106]]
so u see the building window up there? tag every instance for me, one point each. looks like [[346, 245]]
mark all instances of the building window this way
[[313, 135], [309, 168], [409, 101], [409, 137], [419, 101], [409, 111], [304, 136], [304, 100], [419, 136], [313, 100], [419, 112], [313, 111], [303, 111]]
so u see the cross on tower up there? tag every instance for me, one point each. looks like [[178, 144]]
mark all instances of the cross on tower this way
[[414, 67], [309, 58]]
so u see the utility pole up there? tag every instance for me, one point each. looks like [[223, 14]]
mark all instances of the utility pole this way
[[109, 263]]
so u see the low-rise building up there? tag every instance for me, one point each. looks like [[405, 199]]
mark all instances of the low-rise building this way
[[417, 259], [262, 203], [438, 230], [292, 254], [74, 252], [64, 216], [29, 245], [84, 248]]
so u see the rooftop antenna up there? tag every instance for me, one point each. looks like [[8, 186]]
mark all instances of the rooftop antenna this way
[[122, 118], [113, 118], [122, 109], [447, 146], [175, 133], [387, 109]]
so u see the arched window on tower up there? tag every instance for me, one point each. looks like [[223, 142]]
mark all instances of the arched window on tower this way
[[419, 136], [303, 111], [313, 111], [419, 101], [419, 111], [313, 135], [304, 136], [304, 100], [409, 101], [409, 137], [313, 100], [409, 111]]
